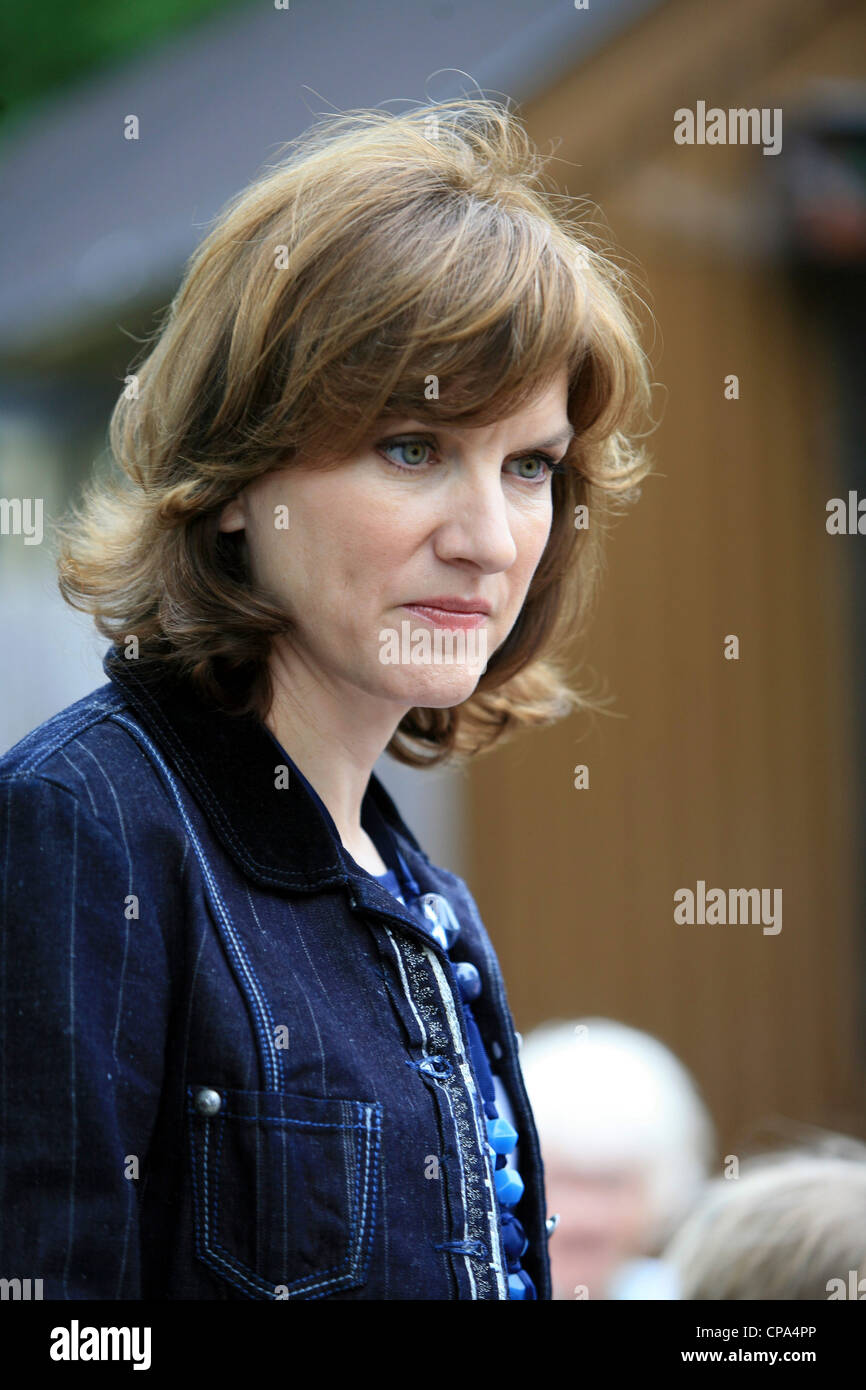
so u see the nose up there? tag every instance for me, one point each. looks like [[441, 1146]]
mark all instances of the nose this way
[[475, 524]]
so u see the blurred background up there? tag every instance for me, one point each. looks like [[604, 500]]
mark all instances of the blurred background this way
[[739, 773]]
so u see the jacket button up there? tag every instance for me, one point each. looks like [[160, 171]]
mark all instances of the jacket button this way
[[208, 1102]]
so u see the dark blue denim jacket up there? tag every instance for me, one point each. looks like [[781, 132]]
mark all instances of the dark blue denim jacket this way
[[234, 1067]]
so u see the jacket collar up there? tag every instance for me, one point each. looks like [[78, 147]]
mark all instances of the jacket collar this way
[[279, 836]]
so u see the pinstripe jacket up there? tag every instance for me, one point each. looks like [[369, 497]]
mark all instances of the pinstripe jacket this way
[[234, 1067]]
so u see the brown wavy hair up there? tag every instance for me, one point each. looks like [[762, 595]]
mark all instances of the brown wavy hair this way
[[380, 250]]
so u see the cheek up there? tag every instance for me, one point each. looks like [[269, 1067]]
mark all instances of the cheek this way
[[305, 557], [531, 532], [530, 538], [376, 550], [346, 544], [282, 563]]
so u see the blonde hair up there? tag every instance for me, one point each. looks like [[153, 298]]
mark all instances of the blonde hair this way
[[383, 249], [791, 1226]]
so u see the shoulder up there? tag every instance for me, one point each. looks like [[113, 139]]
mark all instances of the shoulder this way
[[85, 756], [92, 893]]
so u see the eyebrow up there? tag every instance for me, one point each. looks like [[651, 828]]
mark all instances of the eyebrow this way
[[564, 436]]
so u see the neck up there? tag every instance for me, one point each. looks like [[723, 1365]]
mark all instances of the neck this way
[[334, 736]]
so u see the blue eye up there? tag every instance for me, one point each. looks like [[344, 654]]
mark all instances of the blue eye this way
[[408, 444], [538, 458], [414, 449]]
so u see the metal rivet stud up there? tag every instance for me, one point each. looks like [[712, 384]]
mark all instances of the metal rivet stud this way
[[208, 1102]]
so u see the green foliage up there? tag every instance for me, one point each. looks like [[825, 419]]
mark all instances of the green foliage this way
[[51, 46]]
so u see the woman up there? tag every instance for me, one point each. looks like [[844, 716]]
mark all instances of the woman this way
[[258, 1046]]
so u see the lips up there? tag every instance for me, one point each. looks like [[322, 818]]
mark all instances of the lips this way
[[461, 618], [450, 603]]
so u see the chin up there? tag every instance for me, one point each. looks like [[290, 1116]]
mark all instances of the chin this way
[[437, 688]]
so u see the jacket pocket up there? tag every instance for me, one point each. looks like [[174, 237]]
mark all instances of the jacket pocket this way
[[285, 1189]]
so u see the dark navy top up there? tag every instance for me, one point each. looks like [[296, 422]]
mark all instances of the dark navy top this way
[[501, 1134], [498, 1117], [194, 1003]]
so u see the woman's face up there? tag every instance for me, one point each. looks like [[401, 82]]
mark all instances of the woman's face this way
[[418, 514]]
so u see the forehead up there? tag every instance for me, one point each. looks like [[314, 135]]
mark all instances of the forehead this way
[[546, 410]]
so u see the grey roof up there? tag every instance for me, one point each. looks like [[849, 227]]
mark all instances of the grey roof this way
[[94, 224]]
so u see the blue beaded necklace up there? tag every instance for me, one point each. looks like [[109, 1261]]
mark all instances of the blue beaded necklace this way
[[438, 918]]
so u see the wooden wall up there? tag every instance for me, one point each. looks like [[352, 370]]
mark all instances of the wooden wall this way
[[739, 773]]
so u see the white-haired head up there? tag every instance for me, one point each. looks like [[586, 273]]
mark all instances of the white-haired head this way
[[605, 1095]]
